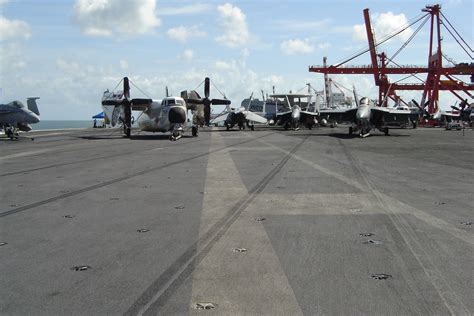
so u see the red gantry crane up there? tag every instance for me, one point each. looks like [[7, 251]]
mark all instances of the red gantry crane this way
[[434, 82]]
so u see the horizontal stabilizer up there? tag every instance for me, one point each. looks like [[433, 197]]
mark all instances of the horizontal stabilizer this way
[[255, 117], [220, 118]]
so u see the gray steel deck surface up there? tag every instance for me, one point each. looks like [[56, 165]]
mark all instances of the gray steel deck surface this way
[[73, 198]]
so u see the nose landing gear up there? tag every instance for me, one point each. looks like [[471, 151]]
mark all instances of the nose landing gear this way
[[177, 132]]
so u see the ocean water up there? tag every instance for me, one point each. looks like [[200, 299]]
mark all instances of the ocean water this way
[[43, 124]]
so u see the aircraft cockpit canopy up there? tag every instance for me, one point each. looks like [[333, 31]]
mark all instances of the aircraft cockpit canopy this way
[[172, 101], [17, 104]]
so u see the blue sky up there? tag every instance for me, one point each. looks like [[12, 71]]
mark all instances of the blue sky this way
[[69, 51]]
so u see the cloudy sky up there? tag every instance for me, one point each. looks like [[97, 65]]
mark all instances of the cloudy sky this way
[[69, 51]]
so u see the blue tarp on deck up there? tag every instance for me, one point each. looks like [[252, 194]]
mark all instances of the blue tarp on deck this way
[[99, 116]]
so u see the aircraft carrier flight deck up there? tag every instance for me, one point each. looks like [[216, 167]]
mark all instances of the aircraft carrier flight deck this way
[[264, 222]]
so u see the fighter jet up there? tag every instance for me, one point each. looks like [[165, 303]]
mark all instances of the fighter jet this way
[[15, 117], [367, 117], [296, 111], [239, 117]]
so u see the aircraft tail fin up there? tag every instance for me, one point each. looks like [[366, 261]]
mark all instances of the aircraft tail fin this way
[[32, 106]]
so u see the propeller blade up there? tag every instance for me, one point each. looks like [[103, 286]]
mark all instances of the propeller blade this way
[[207, 87], [207, 114], [416, 103], [112, 102], [126, 88], [455, 108], [141, 101], [220, 102]]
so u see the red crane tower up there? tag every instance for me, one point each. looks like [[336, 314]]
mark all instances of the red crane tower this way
[[433, 83]]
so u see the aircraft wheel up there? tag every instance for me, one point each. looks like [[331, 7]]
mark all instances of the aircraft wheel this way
[[351, 130], [194, 131], [9, 133], [227, 126], [126, 131], [252, 127], [385, 131]]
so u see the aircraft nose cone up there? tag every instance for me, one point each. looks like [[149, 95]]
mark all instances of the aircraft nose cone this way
[[34, 118], [363, 114], [177, 115], [295, 114]]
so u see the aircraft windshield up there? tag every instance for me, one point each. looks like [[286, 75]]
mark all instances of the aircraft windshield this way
[[17, 104]]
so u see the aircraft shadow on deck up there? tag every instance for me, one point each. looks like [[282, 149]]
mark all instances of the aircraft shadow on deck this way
[[343, 135], [132, 137]]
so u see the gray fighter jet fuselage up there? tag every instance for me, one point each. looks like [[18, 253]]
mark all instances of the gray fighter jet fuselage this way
[[296, 111], [367, 117], [15, 116]]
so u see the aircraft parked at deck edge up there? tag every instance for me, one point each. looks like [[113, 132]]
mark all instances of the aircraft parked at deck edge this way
[[15, 117]]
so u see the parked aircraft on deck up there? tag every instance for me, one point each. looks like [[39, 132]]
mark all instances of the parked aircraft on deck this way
[[367, 117], [167, 115], [239, 117], [15, 117], [295, 111]]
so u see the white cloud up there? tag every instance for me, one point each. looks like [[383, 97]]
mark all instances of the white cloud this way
[[109, 17], [123, 64], [185, 10], [222, 65], [68, 67], [300, 25], [12, 59], [3, 2], [324, 45], [383, 25], [187, 55], [183, 33], [296, 46], [13, 29], [233, 22]]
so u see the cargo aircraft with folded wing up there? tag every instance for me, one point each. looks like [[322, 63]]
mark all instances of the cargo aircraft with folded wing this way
[[167, 115]]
